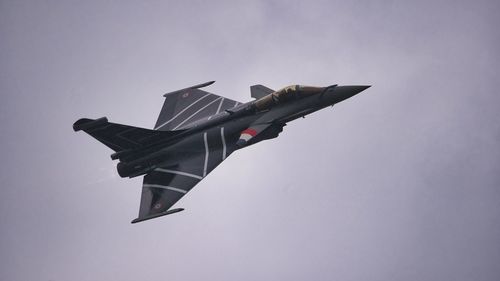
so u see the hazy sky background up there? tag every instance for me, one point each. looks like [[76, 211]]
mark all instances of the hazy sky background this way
[[401, 182]]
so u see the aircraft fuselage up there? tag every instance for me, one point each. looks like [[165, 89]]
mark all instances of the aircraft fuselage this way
[[231, 123]]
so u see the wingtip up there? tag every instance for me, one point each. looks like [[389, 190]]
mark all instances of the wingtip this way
[[86, 123], [192, 87], [203, 84], [173, 211]]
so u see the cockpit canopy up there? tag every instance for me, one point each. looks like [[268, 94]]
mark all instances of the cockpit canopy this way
[[286, 94]]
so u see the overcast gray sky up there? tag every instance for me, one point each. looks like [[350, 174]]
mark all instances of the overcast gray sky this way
[[401, 182]]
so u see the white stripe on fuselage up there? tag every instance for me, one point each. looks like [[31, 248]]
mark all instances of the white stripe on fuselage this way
[[220, 105], [218, 109], [206, 155], [191, 116], [171, 119], [165, 187], [223, 143], [178, 173]]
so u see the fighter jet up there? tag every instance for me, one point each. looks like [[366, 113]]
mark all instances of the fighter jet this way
[[196, 131]]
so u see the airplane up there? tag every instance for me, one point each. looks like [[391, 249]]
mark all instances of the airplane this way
[[196, 131]]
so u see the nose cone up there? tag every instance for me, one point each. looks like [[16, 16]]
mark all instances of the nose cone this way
[[341, 93], [357, 89], [345, 92]]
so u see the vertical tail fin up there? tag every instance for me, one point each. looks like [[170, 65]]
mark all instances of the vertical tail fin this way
[[259, 91]]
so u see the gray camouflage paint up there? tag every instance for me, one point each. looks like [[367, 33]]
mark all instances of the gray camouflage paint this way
[[194, 133], [401, 183]]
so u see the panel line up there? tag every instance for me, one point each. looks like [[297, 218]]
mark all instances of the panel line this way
[[120, 135]]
